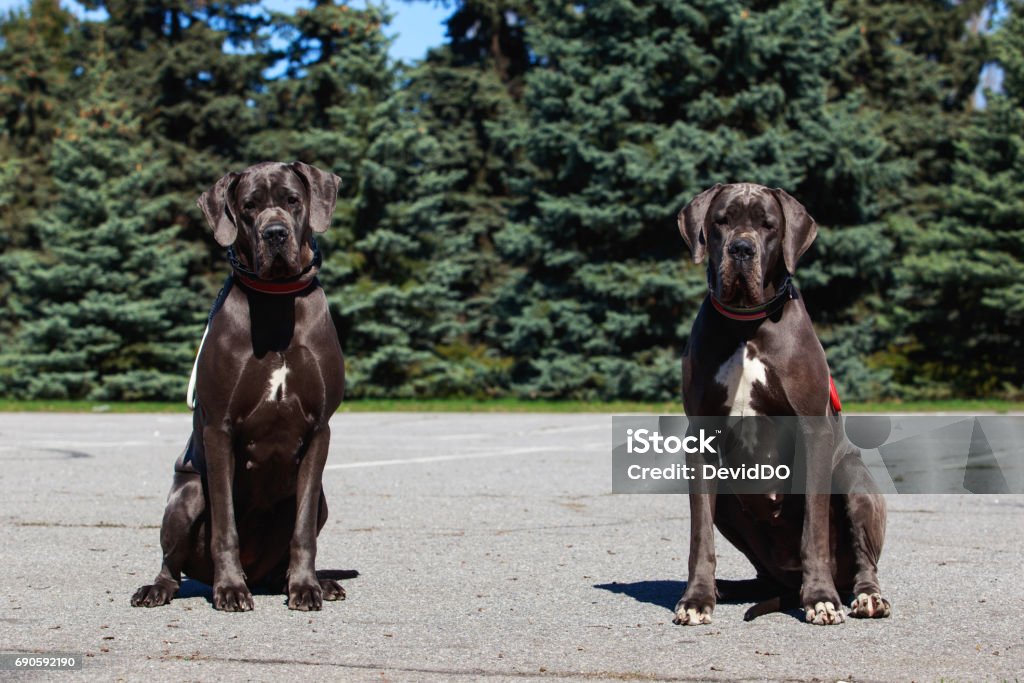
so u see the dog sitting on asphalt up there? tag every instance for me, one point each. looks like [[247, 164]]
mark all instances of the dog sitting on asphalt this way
[[247, 502], [753, 352]]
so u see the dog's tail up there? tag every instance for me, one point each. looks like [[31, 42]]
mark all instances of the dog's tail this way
[[780, 603]]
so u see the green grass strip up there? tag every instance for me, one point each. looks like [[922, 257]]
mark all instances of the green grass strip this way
[[508, 406]]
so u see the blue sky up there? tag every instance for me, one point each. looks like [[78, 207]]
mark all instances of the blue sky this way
[[416, 26]]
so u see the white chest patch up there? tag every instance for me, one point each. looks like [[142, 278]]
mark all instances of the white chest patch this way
[[277, 384], [737, 376]]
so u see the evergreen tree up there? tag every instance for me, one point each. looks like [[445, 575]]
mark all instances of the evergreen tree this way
[[489, 36], [335, 73], [435, 177], [962, 294], [38, 59], [191, 72], [917, 62], [507, 220], [8, 177], [324, 107], [103, 310], [331, 108], [433, 198], [190, 69], [633, 109], [409, 262]]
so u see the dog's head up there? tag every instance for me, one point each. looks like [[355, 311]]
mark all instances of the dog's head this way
[[269, 213], [750, 234]]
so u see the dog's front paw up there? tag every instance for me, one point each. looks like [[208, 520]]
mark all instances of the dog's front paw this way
[[821, 602], [232, 598], [694, 608], [823, 613], [693, 615], [872, 606], [306, 596], [332, 590], [154, 595]]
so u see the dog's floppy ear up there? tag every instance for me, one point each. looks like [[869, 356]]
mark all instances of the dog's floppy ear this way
[[800, 229], [323, 194], [691, 221], [216, 206]]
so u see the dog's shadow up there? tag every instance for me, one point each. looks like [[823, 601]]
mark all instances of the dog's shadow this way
[[661, 593], [666, 594], [191, 588]]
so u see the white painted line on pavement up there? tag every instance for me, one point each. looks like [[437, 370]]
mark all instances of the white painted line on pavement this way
[[444, 458], [543, 430], [84, 443]]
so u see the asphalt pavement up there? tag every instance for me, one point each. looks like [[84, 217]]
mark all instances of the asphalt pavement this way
[[487, 547]]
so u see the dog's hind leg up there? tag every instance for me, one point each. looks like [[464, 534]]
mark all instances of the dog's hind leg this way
[[331, 588], [185, 506]]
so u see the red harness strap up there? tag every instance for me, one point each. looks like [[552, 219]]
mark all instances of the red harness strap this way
[[833, 396]]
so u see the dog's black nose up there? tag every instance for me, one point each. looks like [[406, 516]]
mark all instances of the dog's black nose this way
[[275, 234], [741, 249]]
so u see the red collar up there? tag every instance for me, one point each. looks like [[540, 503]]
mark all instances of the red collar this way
[[734, 314], [271, 287]]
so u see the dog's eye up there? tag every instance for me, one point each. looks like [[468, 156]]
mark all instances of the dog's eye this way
[[249, 206], [293, 200], [769, 225]]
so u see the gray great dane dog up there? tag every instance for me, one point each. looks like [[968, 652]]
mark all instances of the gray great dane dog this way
[[246, 504], [752, 351]]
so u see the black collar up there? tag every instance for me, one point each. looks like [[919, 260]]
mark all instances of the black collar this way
[[288, 285], [783, 293]]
